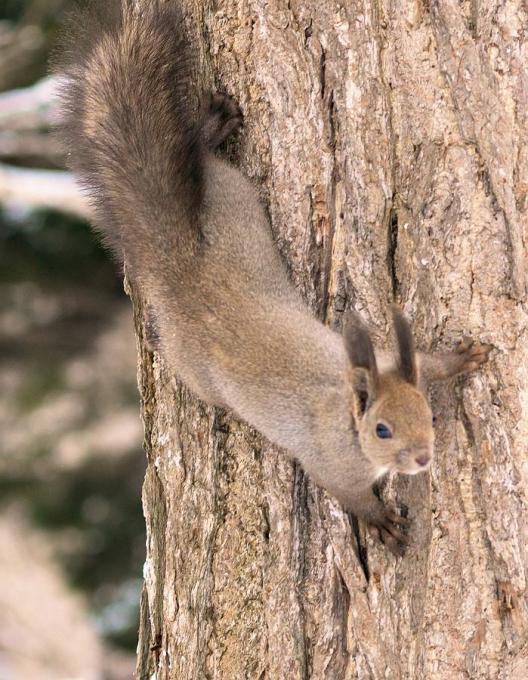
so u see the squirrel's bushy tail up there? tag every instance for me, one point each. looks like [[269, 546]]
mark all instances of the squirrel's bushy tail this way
[[130, 127]]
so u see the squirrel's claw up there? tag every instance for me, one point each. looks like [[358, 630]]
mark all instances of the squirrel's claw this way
[[387, 529]]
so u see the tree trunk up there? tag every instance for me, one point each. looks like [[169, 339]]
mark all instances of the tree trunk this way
[[390, 143]]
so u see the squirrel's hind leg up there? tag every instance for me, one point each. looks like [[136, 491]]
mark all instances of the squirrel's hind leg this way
[[222, 117]]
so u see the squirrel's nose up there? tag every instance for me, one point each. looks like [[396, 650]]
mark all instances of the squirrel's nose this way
[[423, 460]]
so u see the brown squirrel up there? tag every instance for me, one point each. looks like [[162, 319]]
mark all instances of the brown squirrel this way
[[198, 246]]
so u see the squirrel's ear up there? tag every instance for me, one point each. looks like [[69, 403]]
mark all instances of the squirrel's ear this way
[[364, 370], [363, 391], [407, 354]]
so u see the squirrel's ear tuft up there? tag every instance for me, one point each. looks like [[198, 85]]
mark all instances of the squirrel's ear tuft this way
[[359, 345], [406, 351], [364, 370]]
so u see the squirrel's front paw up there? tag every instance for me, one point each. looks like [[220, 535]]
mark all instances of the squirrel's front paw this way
[[391, 528], [472, 354]]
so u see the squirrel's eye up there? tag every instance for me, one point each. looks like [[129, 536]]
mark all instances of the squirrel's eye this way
[[382, 431]]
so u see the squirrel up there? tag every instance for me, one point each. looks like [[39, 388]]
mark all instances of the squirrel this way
[[198, 246]]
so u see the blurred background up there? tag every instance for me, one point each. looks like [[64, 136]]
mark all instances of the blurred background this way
[[71, 466]]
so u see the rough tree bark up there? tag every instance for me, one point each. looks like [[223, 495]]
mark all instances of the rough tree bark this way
[[390, 142]]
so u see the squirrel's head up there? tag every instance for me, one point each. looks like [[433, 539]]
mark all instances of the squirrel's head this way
[[392, 416]]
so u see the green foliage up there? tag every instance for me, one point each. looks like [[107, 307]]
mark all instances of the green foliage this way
[[53, 248], [13, 10]]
